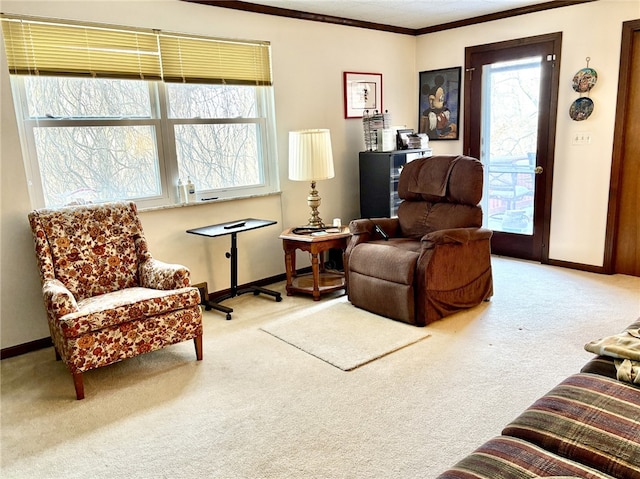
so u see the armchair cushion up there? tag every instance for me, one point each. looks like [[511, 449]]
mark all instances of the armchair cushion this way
[[130, 304]]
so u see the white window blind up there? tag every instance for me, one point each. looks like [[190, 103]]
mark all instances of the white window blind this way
[[206, 60], [47, 48], [42, 47]]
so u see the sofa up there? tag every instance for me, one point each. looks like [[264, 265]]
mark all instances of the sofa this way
[[588, 426]]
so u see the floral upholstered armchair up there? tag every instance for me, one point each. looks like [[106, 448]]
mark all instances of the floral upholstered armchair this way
[[107, 299]]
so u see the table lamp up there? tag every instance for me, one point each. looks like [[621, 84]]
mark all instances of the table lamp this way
[[311, 159]]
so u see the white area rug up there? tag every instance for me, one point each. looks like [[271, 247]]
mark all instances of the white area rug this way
[[342, 335]]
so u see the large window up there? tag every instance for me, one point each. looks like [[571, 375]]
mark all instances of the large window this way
[[101, 137]]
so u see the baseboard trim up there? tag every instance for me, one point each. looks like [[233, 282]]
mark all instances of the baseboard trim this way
[[47, 342], [261, 282], [579, 266], [25, 348]]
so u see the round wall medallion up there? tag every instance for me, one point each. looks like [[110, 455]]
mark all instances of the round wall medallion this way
[[581, 109], [585, 80]]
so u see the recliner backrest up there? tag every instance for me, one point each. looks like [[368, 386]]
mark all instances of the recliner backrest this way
[[443, 178], [440, 192], [97, 240]]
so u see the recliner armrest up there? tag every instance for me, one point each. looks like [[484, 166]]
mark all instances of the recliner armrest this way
[[364, 230], [455, 236], [368, 225], [58, 300], [157, 274]]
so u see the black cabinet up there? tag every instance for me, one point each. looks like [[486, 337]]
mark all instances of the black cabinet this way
[[379, 173]]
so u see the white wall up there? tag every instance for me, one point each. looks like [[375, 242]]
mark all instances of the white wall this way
[[308, 61], [581, 173]]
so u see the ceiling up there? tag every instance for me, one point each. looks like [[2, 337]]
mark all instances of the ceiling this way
[[408, 14]]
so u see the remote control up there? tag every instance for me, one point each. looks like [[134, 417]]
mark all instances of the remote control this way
[[382, 233], [234, 225]]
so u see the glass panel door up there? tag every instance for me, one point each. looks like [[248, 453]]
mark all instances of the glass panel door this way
[[511, 102], [509, 136]]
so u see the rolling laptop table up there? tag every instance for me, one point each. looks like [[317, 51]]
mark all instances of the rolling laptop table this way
[[233, 228]]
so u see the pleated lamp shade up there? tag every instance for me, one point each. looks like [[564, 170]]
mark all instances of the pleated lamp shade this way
[[310, 155]]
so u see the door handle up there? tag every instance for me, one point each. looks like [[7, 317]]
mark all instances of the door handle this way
[[538, 170]]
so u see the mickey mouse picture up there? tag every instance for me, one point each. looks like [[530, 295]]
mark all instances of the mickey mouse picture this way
[[439, 103]]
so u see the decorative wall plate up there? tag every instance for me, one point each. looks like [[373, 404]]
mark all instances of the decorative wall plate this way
[[585, 80], [581, 109]]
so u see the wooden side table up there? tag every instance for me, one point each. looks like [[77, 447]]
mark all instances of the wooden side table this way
[[318, 281]]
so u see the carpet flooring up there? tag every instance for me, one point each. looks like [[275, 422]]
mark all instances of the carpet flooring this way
[[256, 407]]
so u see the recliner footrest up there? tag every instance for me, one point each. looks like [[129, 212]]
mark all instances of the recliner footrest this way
[[385, 262]]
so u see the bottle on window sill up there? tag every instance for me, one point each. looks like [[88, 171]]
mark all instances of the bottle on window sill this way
[[191, 191], [182, 192]]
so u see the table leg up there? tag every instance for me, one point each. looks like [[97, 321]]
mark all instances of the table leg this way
[[234, 264], [315, 268], [208, 304], [294, 273], [290, 268], [256, 290]]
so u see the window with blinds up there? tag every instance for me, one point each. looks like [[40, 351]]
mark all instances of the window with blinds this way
[[118, 113], [201, 60]]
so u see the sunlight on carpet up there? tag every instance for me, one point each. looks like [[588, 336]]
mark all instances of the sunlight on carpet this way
[[342, 335]]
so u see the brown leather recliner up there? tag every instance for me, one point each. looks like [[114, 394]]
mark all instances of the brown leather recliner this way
[[436, 259]]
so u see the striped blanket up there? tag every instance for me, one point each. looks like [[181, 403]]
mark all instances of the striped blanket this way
[[586, 427]]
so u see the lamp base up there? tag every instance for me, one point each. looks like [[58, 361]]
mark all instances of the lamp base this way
[[313, 200], [317, 225]]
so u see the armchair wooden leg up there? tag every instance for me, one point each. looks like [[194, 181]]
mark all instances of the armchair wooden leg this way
[[77, 382], [58, 357], [198, 343]]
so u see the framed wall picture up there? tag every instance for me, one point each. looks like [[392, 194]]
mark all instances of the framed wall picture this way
[[362, 92], [439, 107]]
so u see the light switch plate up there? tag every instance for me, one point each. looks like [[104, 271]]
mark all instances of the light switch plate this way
[[581, 138]]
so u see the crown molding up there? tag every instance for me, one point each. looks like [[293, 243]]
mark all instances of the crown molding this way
[[316, 17]]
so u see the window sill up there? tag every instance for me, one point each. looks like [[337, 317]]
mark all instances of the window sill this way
[[209, 202]]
